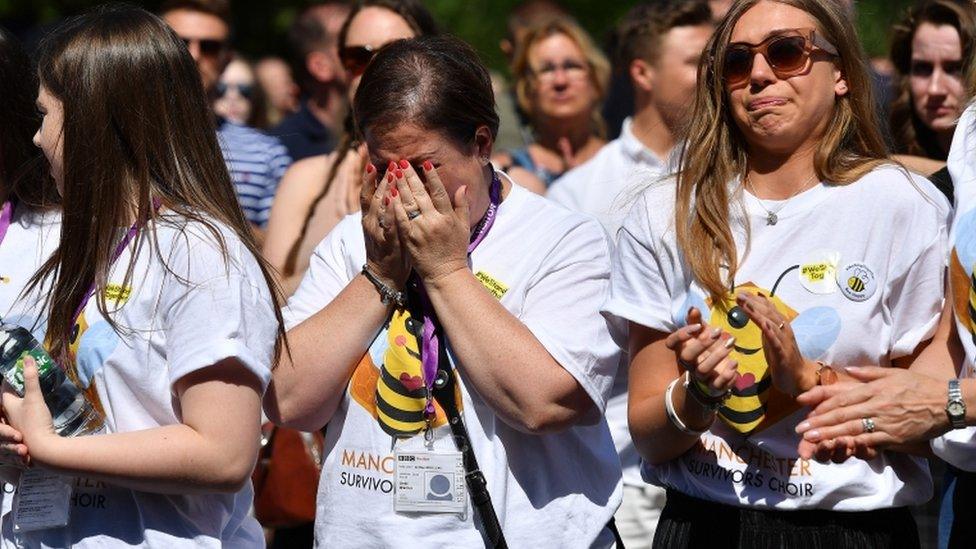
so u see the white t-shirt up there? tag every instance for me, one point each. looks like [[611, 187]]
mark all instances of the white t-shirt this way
[[599, 186], [858, 270], [31, 238], [958, 447], [176, 318], [550, 268], [605, 187]]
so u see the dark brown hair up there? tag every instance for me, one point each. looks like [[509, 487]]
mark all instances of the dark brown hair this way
[[22, 173], [422, 23], [441, 86], [911, 135], [639, 34], [217, 8], [137, 128]]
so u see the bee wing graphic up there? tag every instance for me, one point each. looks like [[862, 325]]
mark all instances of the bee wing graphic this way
[[816, 329], [693, 300], [965, 239]]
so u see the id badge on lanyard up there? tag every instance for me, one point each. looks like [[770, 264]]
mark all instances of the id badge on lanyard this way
[[429, 482], [42, 501]]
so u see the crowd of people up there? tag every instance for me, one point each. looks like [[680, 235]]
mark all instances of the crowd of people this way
[[710, 287]]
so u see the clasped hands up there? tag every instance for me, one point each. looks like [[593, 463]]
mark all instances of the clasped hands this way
[[409, 223], [705, 351]]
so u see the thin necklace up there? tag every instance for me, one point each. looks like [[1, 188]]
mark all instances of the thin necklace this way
[[772, 216]]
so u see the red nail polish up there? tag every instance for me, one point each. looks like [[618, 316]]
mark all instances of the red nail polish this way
[[404, 164], [370, 168], [393, 192], [391, 166], [386, 200], [428, 166], [399, 174], [389, 177]]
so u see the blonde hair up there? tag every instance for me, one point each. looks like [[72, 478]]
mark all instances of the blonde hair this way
[[599, 67], [715, 152]]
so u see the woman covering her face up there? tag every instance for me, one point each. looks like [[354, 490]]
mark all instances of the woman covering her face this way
[[317, 192], [786, 249], [457, 306], [158, 305]]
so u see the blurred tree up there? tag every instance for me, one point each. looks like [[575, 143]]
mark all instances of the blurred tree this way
[[260, 24]]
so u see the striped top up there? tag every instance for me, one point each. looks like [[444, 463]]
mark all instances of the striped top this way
[[256, 163]]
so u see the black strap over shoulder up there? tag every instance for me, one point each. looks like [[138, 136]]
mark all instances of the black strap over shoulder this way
[[444, 393]]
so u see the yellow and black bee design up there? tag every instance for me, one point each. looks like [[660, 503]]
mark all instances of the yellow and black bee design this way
[[754, 401], [400, 392]]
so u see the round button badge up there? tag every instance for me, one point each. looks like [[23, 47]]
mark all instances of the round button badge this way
[[857, 281]]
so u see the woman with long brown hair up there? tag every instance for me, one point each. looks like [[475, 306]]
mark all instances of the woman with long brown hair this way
[[786, 248], [316, 193], [159, 305], [930, 49]]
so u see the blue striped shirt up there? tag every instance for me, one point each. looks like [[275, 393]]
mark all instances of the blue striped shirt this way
[[256, 163]]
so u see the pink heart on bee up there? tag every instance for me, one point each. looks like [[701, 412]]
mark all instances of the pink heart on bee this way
[[412, 383], [745, 381]]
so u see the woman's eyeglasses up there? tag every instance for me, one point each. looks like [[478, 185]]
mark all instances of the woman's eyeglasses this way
[[246, 90], [574, 70], [786, 53], [355, 59]]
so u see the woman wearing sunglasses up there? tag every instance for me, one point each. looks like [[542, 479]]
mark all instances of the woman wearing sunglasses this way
[[317, 192], [450, 335], [239, 97], [786, 248], [561, 81]]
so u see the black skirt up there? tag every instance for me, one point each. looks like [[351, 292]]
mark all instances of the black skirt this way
[[692, 523]]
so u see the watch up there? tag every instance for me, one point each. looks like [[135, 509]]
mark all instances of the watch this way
[[956, 407]]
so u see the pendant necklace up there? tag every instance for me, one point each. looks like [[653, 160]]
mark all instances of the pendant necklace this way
[[772, 216]]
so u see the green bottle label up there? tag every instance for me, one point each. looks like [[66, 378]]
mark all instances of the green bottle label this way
[[15, 376]]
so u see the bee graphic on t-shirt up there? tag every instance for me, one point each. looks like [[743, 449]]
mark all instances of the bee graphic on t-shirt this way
[[754, 401], [962, 272], [394, 392]]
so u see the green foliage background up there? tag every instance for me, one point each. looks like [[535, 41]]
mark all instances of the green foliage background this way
[[260, 24]]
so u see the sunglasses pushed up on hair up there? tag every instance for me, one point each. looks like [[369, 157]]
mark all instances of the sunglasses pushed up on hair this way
[[355, 58], [786, 53]]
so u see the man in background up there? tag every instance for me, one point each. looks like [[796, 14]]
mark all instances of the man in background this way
[[314, 37], [660, 43], [255, 161]]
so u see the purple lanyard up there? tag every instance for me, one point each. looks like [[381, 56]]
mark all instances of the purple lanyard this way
[[119, 248], [6, 217], [430, 342]]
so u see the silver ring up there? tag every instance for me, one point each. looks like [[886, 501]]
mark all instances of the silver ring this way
[[413, 215], [868, 425], [781, 324]]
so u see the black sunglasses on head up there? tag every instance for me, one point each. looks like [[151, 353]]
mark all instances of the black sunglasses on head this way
[[355, 58]]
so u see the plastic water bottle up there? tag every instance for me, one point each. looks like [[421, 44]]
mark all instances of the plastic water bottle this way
[[72, 411]]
